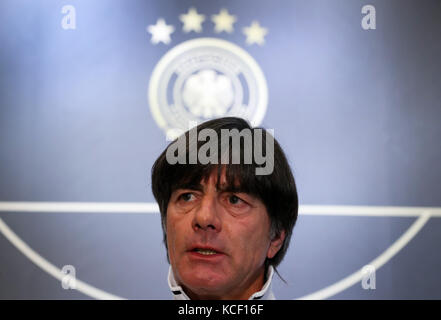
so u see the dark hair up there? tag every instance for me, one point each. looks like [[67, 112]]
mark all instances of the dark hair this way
[[276, 190]]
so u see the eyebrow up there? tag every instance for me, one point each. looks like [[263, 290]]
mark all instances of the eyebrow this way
[[190, 186], [231, 188], [219, 188]]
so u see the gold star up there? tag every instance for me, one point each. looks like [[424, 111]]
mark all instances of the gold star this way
[[192, 20], [255, 33], [223, 21]]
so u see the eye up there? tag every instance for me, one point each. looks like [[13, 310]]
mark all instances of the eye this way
[[234, 199], [186, 197], [236, 204]]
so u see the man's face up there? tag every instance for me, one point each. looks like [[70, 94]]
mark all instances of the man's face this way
[[218, 241]]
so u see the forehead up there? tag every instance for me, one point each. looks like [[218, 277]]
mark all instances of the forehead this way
[[229, 177], [215, 178]]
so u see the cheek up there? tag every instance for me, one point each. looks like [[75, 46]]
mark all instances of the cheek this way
[[178, 229], [251, 238], [172, 236]]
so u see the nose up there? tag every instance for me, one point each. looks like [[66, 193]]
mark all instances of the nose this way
[[206, 216]]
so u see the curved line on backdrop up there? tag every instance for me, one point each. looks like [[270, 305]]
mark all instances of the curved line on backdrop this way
[[327, 292], [377, 263], [45, 265]]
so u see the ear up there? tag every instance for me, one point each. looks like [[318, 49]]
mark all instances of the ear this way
[[275, 244]]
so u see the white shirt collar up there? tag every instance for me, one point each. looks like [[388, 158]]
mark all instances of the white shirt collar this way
[[265, 294]]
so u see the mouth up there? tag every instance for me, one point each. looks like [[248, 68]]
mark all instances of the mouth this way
[[205, 252]]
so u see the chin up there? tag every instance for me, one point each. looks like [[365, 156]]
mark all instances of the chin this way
[[203, 281]]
